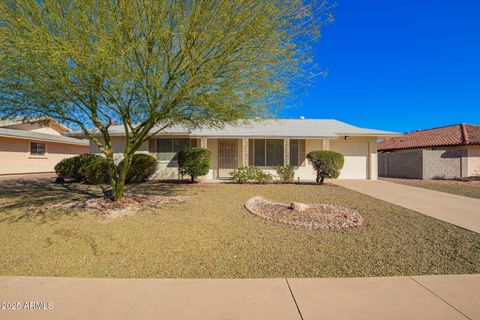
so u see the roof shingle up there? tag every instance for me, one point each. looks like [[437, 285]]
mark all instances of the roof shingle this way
[[454, 135]]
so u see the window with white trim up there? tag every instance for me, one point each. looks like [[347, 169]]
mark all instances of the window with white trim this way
[[37, 149]]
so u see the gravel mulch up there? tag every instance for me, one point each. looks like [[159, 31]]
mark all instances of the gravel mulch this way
[[110, 210], [314, 216]]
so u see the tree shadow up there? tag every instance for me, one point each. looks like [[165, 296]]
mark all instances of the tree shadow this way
[[22, 199]]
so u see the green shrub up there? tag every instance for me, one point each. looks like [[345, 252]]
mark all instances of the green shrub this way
[[143, 166], [89, 168], [285, 173], [327, 164], [93, 169], [64, 169], [194, 162], [250, 174]]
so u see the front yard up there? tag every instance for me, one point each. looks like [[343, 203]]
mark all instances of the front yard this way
[[462, 188], [211, 235]]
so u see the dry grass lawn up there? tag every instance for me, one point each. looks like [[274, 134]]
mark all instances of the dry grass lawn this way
[[212, 235]]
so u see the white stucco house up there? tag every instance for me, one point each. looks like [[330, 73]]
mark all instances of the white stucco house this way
[[265, 144]]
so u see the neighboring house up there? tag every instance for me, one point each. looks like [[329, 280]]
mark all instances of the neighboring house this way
[[35, 145], [445, 152], [265, 144]]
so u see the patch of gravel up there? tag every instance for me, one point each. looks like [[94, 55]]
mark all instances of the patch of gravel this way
[[311, 216], [110, 210]]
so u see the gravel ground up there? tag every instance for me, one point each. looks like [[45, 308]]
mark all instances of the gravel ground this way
[[314, 216]]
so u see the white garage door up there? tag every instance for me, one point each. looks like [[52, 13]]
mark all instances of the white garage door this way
[[356, 158]]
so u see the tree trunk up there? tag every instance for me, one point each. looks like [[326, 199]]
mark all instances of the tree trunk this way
[[119, 176], [317, 180], [192, 179], [321, 180]]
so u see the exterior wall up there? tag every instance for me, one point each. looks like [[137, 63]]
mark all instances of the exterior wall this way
[[118, 144], [166, 169], [401, 164], [443, 164], [360, 154], [15, 156], [427, 164], [305, 171], [473, 161]]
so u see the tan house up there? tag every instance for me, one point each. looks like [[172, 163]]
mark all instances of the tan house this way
[[437, 153], [265, 144], [35, 145]]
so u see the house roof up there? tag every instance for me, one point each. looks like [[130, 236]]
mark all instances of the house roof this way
[[293, 128], [30, 135], [12, 121], [454, 135]]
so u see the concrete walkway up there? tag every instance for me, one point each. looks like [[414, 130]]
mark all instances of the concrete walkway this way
[[422, 297], [460, 211]]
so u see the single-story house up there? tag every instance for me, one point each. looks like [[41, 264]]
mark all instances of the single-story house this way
[[35, 145], [265, 144], [439, 153]]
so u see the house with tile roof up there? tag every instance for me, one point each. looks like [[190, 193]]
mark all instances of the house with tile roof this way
[[445, 152], [35, 145], [264, 143]]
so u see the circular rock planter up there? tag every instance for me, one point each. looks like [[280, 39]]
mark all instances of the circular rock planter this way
[[311, 216]]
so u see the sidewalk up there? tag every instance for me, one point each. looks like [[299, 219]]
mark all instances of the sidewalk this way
[[460, 211], [422, 297]]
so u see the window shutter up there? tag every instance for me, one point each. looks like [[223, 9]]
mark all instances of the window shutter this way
[[151, 145], [301, 153], [251, 145]]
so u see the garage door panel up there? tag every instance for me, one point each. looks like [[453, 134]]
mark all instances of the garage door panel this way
[[356, 158]]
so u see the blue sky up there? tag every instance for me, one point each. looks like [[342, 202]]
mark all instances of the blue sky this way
[[397, 65]]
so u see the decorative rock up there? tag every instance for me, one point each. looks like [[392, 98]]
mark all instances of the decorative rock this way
[[318, 215], [298, 206]]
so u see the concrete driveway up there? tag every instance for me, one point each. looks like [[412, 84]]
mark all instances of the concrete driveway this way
[[460, 211]]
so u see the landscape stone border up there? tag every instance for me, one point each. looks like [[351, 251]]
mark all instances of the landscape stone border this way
[[311, 216]]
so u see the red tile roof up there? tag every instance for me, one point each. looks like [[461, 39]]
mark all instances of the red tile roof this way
[[455, 135]]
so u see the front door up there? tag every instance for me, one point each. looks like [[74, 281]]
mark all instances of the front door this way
[[227, 157]]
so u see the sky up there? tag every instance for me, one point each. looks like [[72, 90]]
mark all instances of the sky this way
[[397, 65]]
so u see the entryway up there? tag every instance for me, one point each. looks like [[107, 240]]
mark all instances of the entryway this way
[[227, 157]]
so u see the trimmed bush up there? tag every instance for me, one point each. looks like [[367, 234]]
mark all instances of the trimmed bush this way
[[64, 169], [94, 170], [143, 166], [250, 174], [327, 164], [285, 173], [194, 162], [89, 168]]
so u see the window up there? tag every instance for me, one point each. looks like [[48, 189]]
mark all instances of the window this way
[[297, 152], [268, 152], [167, 149], [37, 149], [294, 152]]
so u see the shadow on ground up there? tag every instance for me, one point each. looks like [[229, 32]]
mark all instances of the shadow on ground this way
[[21, 198]]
